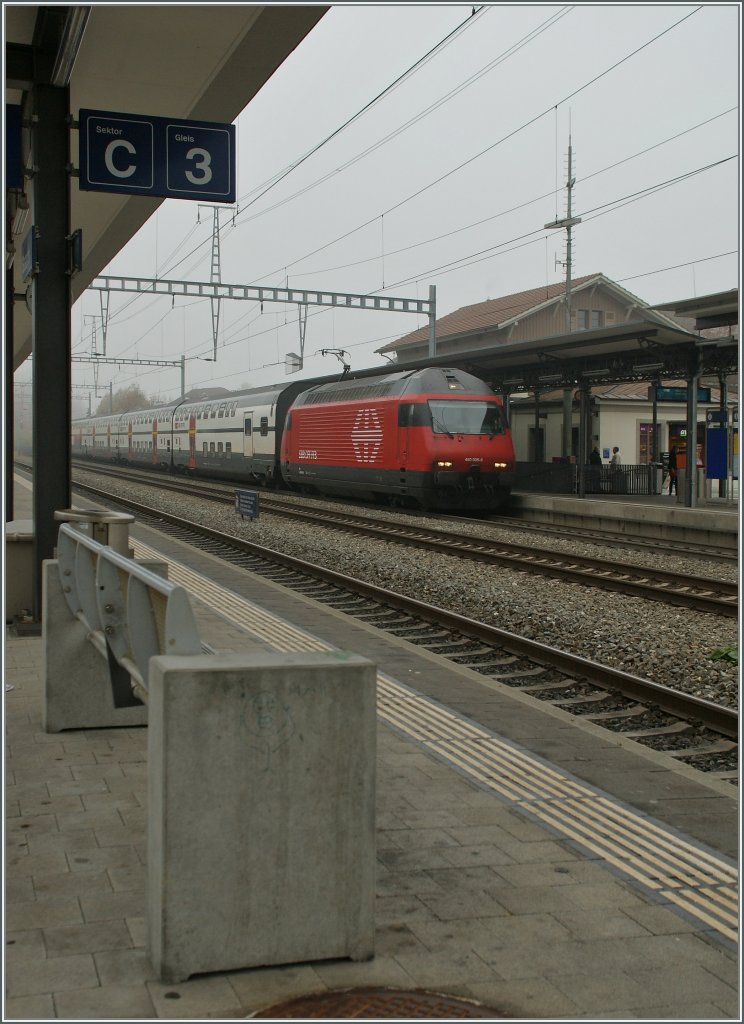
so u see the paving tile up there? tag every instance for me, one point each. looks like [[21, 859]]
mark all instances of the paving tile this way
[[62, 974], [51, 805], [97, 819], [67, 842], [383, 970], [42, 914], [414, 860], [432, 971], [71, 883], [86, 938], [463, 904], [598, 924], [193, 998], [409, 882], [452, 936], [475, 856], [77, 787], [564, 873], [137, 926], [109, 906], [528, 999], [607, 894], [29, 1008], [26, 944], [481, 877], [422, 838], [19, 889], [128, 879], [686, 1011], [644, 988], [260, 988], [396, 938], [111, 1002], [659, 919], [86, 772], [125, 966], [99, 859]]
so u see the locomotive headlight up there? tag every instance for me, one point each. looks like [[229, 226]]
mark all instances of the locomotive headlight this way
[[442, 464], [500, 465]]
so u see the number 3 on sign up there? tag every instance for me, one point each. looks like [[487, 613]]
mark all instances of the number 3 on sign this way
[[202, 172]]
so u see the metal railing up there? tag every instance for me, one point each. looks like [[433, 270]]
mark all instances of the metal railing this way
[[130, 613], [563, 478]]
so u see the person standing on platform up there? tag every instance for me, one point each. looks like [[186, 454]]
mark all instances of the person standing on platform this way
[[595, 471], [618, 479], [673, 486]]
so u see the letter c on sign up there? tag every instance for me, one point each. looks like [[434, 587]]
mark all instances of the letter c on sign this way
[[126, 172]]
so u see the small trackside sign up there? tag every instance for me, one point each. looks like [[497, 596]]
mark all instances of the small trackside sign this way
[[246, 503], [157, 156]]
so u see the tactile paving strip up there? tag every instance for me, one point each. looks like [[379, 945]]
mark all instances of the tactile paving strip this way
[[376, 1004], [699, 883]]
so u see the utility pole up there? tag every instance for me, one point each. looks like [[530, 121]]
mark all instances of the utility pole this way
[[568, 222]]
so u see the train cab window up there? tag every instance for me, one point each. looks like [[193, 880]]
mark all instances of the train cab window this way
[[264, 426], [457, 417]]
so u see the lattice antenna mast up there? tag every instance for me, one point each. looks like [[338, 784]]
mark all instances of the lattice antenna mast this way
[[215, 273], [568, 222]]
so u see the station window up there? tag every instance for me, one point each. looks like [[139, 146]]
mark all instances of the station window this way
[[219, 446], [228, 448], [204, 447], [211, 447]]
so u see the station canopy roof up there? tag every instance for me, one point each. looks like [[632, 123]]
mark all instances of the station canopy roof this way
[[197, 61], [641, 350]]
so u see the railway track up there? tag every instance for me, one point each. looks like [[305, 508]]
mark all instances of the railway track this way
[[699, 593], [689, 728]]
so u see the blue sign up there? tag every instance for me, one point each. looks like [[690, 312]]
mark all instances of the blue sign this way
[[157, 156], [678, 394], [246, 503]]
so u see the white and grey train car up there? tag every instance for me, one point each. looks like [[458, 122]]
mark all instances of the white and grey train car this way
[[237, 436]]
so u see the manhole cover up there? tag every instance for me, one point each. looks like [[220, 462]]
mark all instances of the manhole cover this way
[[379, 1003]]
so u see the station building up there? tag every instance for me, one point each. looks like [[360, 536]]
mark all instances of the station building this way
[[620, 408]]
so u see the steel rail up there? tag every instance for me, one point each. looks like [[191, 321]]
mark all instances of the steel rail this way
[[718, 718], [718, 597]]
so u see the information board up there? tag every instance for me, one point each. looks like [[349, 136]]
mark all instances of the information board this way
[[246, 503], [157, 156]]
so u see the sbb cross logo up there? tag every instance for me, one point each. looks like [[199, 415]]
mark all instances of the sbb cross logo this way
[[366, 435]]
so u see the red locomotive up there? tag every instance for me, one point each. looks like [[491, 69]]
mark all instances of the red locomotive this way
[[432, 438]]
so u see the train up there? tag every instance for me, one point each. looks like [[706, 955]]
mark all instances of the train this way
[[432, 438]]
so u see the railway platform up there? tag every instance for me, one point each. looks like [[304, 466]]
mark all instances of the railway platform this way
[[715, 522], [534, 865]]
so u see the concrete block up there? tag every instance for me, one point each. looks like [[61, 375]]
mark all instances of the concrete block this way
[[77, 691], [19, 567], [261, 797]]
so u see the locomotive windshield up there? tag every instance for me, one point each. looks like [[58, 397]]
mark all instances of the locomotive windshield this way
[[458, 417]]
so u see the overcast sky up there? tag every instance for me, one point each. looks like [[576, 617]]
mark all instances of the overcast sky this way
[[448, 180]]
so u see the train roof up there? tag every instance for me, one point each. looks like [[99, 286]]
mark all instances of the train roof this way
[[429, 380]]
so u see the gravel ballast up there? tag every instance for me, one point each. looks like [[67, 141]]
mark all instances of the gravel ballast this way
[[668, 645]]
